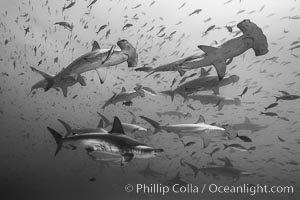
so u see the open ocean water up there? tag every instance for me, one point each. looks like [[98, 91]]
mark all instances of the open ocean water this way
[[161, 31]]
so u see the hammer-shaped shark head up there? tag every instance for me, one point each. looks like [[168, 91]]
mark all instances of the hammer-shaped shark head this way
[[251, 30], [130, 51]]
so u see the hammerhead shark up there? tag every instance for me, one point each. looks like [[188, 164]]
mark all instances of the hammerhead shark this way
[[200, 129], [114, 143], [252, 37], [98, 59], [226, 170], [202, 83]]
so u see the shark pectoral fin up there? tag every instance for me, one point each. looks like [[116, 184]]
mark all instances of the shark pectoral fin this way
[[206, 141], [102, 73], [216, 90], [220, 67], [220, 106], [207, 49], [49, 78], [227, 162], [181, 72], [64, 91], [127, 157], [81, 80], [96, 46], [89, 150]]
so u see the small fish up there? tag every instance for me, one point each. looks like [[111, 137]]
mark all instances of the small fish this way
[[213, 151], [235, 147], [244, 138], [101, 28], [284, 118], [257, 91], [75, 96], [126, 26], [272, 105], [197, 11], [27, 30], [271, 114], [244, 92], [139, 5], [68, 6], [209, 29], [93, 179], [189, 144], [295, 47], [92, 3], [280, 139], [107, 34], [229, 28], [182, 5]]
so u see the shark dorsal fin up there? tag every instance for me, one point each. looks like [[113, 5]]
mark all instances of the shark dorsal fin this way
[[247, 120], [101, 124], [117, 127], [123, 89], [133, 121], [95, 46], [227, 162], [201, 119], [207, 49]]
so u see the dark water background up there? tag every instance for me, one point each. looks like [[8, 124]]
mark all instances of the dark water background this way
[[28, 167]]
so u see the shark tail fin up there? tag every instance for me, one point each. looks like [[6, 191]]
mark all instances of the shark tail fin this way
[[206, 141], [277, 98], [47, 77], [181, 72], [225, 146], [58, 139], [159, 114], [170, 93], [67, 127], [101, 124], [155, 124]]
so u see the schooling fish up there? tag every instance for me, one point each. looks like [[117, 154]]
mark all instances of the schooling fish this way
[[244, 138], [271, 114], [244, 92], [272, 105], [68, 6], [66, 25], [101, 28], [197, 11], [126, 26], [94, 1]]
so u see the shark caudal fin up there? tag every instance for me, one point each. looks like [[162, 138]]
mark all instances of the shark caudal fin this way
[[67, 127], [277, 98], [158, 113], [220, 65], [106, 121], [170, 93], [58, 139], [153, 123], [193, 167], [47, 77]]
